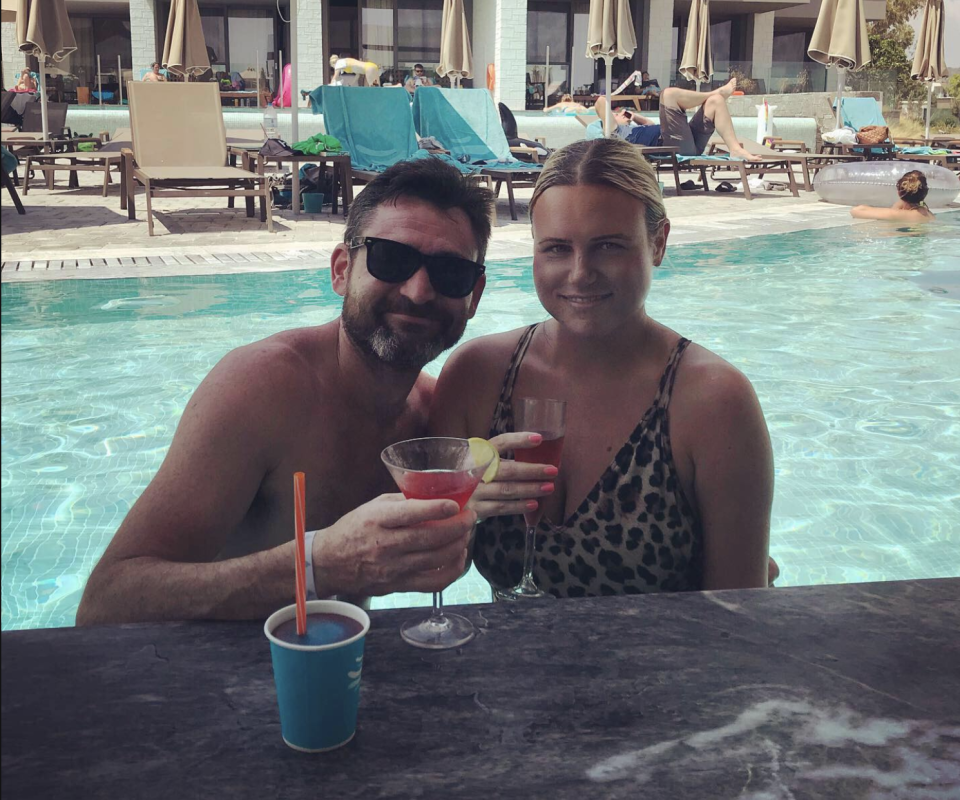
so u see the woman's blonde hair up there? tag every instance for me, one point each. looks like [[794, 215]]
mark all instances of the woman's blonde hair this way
[[605, 162], [567, 98]]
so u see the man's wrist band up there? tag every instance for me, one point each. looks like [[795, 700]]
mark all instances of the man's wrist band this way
[[311, 579]]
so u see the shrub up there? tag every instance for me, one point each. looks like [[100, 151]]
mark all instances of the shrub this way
[[944, 121]]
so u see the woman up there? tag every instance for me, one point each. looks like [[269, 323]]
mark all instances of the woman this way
[[667, 474], [912, 190], [567, 106], [26, 83]]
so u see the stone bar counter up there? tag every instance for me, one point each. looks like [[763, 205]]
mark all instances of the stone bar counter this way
[[849, 691]]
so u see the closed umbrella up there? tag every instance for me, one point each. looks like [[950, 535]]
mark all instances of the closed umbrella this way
[[929, 63], [43, 30], [456, 57], [184, 48], [610, 35], [697, 62], [840, 40]]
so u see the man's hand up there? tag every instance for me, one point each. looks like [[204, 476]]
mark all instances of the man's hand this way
[[517, 486], [393, 545]]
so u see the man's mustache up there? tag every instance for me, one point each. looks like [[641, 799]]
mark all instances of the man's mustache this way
[[408, 308]]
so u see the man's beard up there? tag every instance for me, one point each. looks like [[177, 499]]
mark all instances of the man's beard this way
[[371, 335]]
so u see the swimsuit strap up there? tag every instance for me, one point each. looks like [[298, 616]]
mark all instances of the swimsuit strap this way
[[506, 393], [669, 377]]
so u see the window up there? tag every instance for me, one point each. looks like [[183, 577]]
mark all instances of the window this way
[[418, 34], [376, 33]]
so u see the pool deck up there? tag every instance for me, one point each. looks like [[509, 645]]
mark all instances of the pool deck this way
[[80, 234]]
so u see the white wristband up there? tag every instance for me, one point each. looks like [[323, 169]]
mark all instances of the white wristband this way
[[311, 578]]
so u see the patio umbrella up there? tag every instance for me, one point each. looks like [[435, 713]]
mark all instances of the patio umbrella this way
[[456, 58], [929, 63], [840, 40], [610, 35], [184, 48], [697, 62], [43, 30]]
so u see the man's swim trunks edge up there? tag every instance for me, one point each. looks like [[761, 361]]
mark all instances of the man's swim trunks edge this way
[[689, 137]]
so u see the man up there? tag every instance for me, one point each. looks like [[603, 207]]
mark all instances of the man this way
[[674, 130], [154, 75], [645, 84], [211, 536], [419, 78]]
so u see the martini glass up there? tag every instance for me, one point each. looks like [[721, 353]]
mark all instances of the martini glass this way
[[433, 469], [548, 418]]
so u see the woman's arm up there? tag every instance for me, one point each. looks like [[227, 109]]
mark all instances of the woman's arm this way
[[733, 477], [888, 214]]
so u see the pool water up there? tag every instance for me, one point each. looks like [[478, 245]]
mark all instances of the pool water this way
[[851, 337]]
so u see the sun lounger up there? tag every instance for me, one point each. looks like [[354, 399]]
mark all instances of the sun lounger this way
[[809, 163], [180, 149], [7, 169], [375, 127], [467, 123]]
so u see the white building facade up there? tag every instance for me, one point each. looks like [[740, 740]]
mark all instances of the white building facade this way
[[527, 51]]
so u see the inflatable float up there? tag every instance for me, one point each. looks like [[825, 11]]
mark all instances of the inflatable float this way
[[875, 183]]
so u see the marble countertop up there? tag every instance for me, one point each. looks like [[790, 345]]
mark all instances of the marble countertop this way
[[848, 691]]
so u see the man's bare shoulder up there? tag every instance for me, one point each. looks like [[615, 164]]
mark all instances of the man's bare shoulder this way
[[288, 365]]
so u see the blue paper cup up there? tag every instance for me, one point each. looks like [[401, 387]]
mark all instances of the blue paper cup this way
[[318, 686]]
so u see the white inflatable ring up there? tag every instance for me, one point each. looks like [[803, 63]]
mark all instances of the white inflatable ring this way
[[875, 183]]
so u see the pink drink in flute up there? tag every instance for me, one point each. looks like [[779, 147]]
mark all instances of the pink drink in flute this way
[[548, 418], [547, 452]]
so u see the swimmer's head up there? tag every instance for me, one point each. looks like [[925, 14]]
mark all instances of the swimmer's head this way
[[912, 187], [567, 98]]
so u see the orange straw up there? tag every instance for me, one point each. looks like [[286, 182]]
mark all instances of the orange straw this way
[[299, 516]]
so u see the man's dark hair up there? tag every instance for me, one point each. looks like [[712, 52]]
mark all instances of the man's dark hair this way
[[418, 66], [433, 182]]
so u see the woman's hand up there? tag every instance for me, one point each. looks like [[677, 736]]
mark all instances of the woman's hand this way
[[517, 486]]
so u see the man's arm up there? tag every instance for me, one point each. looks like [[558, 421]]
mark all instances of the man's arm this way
[[628, 82], [160, 565], [733, 481]]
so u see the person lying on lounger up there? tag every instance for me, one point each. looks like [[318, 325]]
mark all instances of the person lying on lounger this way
[[690, 137], [912, 189]]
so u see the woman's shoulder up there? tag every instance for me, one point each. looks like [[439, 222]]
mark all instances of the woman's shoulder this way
[[705, 380], [492, 351]]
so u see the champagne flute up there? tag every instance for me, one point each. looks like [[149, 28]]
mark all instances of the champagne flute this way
[[432, 469], [548, 418]]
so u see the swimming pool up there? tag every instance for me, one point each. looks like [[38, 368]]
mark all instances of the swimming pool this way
[[853, 351]]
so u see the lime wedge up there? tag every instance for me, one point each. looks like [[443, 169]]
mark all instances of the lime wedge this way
[[481, 450]]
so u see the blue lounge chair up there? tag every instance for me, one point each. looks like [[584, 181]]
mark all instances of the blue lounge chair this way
[[375, 127], [858, 112], [467, 123]]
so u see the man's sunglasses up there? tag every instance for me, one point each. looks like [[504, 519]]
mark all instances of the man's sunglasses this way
[[395, 262]]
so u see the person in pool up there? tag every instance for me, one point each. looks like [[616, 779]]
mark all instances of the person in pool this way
[[566, 104], [666, 480], [212, 535], [690, 137], [154, 75], [912, 190]]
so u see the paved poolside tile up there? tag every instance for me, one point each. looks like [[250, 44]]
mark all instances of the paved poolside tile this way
[[79, 233]]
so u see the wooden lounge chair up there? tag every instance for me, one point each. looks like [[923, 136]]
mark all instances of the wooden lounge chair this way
[[809, 163], [180, 149]]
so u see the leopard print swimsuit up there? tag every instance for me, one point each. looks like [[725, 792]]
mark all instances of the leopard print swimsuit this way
[[634, 533]]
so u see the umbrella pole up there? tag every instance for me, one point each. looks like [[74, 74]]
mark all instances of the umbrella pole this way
[[43, 97], [608, 114], [120, 78], [294, 94], [546, 80], [99, 83], [841, 79], [929, 105]]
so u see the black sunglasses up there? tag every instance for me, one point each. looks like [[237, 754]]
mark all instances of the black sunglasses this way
[[395, 262]]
